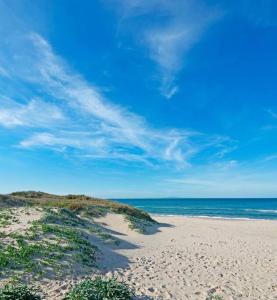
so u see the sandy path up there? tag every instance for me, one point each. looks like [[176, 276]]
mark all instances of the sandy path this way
[[193, 258]]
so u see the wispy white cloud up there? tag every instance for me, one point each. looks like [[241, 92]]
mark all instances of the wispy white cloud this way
[[273, 117], [63, 139], [169, 29], [35, 113], [88, 122], [270, 157], [272, 113]]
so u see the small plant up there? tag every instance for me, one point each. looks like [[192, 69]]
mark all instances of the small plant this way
[[214, 297], [18, 292], [100, 289]]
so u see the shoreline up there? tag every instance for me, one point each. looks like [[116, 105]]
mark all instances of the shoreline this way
[[208, 217]]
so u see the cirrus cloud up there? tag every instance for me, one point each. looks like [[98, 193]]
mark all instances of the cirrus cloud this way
[[78, 116], [168, 30]]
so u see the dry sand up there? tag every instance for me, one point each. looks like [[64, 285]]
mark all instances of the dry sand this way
[[194, 258], [181, 258]]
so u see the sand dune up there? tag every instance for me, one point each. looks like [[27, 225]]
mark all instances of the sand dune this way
[[179, 258]]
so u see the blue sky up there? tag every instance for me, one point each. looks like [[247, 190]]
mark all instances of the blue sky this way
[[136, 98]]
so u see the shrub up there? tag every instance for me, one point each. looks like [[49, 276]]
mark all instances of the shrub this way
[[17, 292], [214, 297], [100, 289]]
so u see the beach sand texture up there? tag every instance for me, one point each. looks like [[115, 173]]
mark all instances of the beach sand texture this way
[[179, 258], [195, 258]]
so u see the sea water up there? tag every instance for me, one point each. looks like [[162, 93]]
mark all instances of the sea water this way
[[255, 208]]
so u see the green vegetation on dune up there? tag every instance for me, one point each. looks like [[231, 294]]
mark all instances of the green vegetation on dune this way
[[7, 218], [88, 289], [52, 245], [51, 236], [91, 207], [99, 289], [214, 297], [8, 201], [62, 239], [18, 292]]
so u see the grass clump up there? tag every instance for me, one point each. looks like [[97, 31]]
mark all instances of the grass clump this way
[[214, 297], [18, 292], [100, 289], [7, 218]]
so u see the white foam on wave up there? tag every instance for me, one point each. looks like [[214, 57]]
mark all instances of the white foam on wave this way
[[274, 211], [171, 207], [206, 217]]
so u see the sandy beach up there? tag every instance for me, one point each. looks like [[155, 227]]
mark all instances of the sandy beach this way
[[177, 258], [196, 258]]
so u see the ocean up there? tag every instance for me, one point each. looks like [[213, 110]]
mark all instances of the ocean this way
[[246, 208]]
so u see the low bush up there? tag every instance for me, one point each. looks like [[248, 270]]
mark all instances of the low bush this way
[[17, 292], [100, 289]]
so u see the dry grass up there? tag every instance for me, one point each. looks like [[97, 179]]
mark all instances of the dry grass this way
[[82, 204]]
